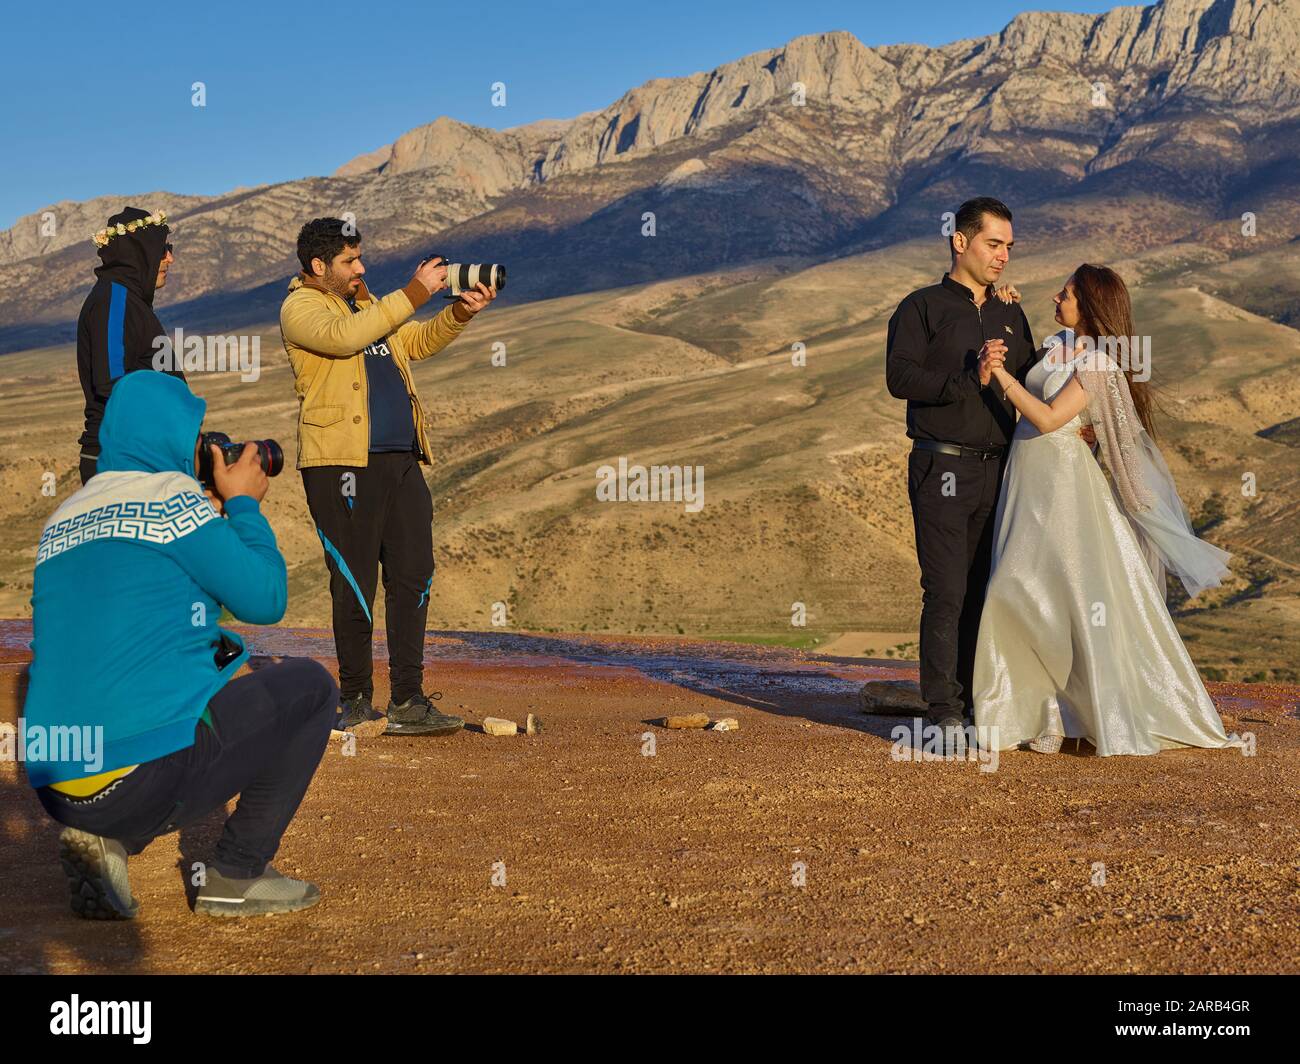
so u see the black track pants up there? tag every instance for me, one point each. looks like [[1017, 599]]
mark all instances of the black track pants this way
[[378, 515]]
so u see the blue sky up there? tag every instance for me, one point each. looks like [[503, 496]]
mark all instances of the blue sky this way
[[99, 95]]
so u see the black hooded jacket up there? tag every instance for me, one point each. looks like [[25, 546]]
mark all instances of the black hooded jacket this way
[[117, 326]]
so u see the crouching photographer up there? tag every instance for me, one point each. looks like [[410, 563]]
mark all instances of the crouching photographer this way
[[131, 576]]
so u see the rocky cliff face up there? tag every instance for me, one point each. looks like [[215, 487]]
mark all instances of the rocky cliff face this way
[[808, 149], [1041, 68], [68, 223]]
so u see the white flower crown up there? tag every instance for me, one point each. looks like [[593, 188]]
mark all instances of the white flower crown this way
[[122, 228]]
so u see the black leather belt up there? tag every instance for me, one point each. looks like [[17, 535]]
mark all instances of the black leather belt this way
[[954, 449]]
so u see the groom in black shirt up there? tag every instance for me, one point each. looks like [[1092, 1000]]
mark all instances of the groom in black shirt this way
[[943, 342]]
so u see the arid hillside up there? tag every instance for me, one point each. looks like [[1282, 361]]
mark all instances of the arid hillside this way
[[700, 277], [804, 497]]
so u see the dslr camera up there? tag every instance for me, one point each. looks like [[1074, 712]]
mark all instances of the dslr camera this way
[[269, 455]]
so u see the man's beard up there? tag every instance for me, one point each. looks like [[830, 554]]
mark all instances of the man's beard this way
[[340, 288]]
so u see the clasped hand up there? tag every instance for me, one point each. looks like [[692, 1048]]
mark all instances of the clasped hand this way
[[992, 358]]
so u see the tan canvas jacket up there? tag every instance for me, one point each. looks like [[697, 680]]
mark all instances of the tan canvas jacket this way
[[324, 340]]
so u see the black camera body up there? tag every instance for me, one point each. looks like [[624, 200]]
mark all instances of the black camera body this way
[[269, 455]]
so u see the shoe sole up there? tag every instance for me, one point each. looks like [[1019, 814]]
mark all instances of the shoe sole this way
[[423, 729], [93, 896], [253, 907]]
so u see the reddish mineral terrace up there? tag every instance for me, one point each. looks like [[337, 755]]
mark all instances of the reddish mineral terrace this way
[[797, 843]]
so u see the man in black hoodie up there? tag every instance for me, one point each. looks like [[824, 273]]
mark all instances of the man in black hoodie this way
[[117, 326]]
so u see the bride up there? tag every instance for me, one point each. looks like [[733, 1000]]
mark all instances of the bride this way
[[1075, 639]]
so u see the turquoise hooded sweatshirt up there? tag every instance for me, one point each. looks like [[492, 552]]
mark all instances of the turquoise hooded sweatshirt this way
[[131, 575]]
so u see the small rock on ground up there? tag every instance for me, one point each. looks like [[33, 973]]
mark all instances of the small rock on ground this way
[[689, 720]]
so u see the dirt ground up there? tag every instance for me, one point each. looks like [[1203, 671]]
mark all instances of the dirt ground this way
[[794, 844]]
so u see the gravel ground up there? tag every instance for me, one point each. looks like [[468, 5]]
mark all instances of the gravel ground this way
[[796, 843]]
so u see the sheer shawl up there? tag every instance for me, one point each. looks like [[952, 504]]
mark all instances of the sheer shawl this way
[[1142, 482]]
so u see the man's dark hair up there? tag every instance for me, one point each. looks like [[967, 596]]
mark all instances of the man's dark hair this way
[[323, 238], [970, 217]]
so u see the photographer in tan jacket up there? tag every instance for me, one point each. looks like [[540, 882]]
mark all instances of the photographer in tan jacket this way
[[362, 438]]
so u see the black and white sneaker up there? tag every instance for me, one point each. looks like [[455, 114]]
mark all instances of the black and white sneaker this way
[[416, 716], [96, 869]]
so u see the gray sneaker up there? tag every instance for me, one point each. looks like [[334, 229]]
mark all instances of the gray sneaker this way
[[269, 893], [96, 869]]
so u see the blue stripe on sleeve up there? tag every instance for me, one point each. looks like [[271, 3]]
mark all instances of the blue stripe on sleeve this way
[[116, 332]]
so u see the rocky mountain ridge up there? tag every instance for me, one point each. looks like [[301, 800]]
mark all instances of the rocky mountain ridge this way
[[1153, 122]]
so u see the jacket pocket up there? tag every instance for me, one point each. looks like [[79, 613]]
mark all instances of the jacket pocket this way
[[322, 416]]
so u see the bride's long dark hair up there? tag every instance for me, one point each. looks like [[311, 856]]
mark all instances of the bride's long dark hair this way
[[1106, 310]]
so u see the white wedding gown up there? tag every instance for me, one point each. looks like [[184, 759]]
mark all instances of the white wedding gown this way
[[1075, 638]]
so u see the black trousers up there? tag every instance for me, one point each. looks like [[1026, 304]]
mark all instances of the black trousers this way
[[269, 730], [954, 500], [377, 516], [87, 468]]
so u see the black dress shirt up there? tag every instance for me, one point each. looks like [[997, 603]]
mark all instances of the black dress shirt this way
[[931, 361]]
